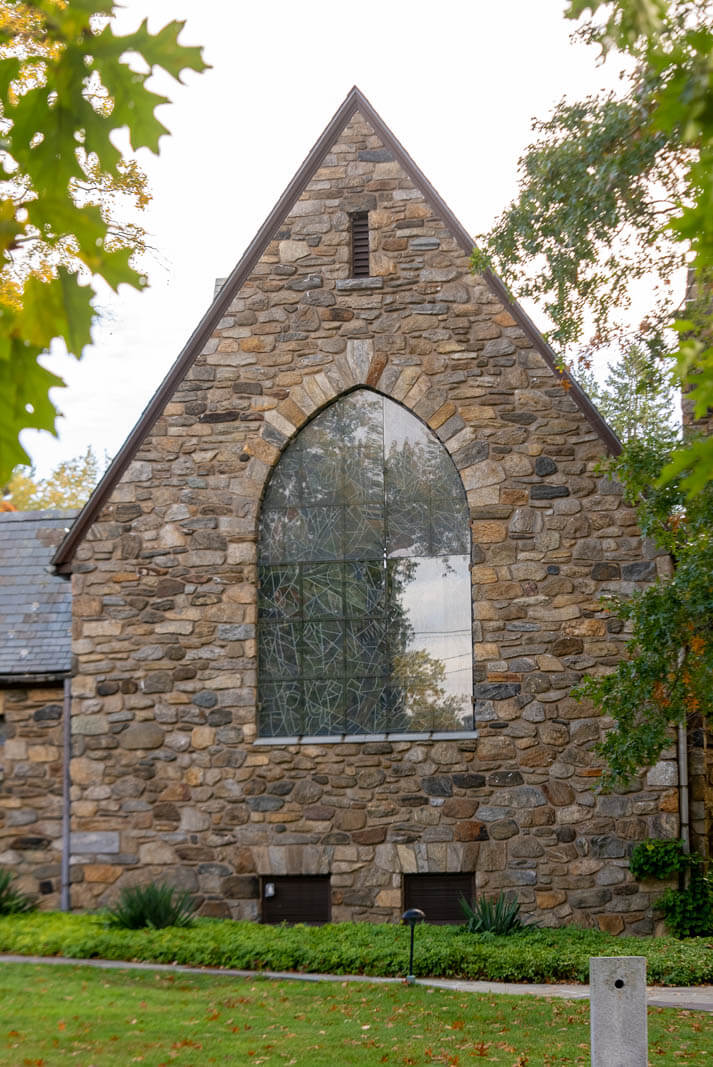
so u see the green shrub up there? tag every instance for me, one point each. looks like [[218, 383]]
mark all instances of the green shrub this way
[[661, 859], [154, 906], [499, 917], [540, 955], [12, 901], [689, 912]]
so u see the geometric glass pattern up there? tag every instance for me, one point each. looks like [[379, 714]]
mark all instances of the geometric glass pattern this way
[[364, 579]]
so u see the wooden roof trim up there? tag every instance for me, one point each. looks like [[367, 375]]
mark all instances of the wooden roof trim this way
[[496, 286], [588, 409], [202, 332], [354, 101]]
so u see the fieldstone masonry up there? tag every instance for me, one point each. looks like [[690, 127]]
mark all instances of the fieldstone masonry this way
[[169, 776], [31, 788]]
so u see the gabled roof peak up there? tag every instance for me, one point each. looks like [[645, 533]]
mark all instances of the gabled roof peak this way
[[353, 102]]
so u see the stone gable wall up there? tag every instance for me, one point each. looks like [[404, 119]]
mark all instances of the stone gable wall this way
[[31, 789], [167, 772]]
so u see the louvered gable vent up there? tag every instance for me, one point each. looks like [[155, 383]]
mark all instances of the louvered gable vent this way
[[360, 244]]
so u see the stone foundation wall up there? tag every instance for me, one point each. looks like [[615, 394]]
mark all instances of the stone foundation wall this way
[[31, 789], [169, 776]]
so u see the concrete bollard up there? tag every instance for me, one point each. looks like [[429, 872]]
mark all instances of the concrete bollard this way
[[617, 998]]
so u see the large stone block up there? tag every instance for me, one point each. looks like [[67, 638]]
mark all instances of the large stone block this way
[[94, 841], [664, 773], [142, 735]]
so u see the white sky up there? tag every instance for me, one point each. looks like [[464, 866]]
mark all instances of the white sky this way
[[457, 82]]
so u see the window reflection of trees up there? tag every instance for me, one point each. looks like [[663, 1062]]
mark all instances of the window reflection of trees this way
[[364, 579]]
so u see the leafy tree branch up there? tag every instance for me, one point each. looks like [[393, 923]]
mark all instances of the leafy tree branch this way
[[69, 485], [667, 677], [637, 398], [618, 188], [67, 84]]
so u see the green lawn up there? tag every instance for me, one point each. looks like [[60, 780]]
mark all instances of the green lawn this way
[[53, 1015]]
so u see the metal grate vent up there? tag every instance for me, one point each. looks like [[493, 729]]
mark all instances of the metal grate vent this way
[[438, 895], [360, 244], [296, 899]]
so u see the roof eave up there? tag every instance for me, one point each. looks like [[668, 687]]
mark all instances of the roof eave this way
[[25, 681]]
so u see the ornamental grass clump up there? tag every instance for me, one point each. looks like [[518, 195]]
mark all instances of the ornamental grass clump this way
[[154, 906], [13, 901], [498, 916]]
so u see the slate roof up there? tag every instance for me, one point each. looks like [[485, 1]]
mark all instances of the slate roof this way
[[35, 604]]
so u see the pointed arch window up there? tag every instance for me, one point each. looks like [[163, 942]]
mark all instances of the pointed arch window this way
[[364, 579]]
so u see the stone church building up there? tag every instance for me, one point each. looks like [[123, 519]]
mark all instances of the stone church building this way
[[331, 596]]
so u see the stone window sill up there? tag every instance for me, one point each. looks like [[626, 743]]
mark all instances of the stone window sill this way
[[355, 739]]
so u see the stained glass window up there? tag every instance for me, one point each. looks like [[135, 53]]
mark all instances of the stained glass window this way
[[365, 597]]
